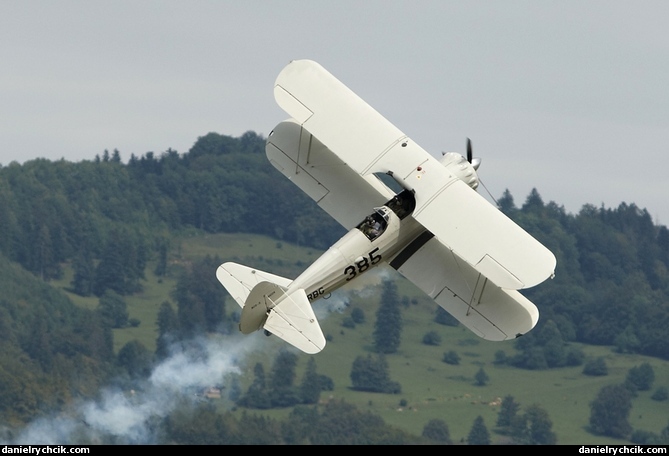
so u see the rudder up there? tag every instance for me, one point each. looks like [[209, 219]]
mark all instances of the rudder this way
[[268, 303]]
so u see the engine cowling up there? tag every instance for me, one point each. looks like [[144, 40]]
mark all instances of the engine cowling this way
[[458, 165]]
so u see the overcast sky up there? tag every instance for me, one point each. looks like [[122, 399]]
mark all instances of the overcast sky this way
[[569, 97]]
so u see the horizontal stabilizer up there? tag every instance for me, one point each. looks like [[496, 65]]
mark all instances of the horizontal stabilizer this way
[[239, 280]]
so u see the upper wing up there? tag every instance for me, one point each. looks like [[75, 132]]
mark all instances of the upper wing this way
[[329, 110], [368, 143], [339, 190]]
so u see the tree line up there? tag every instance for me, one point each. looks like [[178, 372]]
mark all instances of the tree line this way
[[612, 279], [56, 212]]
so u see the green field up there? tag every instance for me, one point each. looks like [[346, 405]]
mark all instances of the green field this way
[[430, 387]]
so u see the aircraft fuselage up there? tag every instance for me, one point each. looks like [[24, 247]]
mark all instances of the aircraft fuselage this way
[[357, 252]]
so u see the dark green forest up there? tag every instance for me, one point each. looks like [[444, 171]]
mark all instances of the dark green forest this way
[[107, 219]]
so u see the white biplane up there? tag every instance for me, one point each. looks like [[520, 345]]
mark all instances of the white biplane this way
[[438, 232]]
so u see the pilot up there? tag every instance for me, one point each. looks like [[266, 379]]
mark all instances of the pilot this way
[[370, 227], [375, 230]]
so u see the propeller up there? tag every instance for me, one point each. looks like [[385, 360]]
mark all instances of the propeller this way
[[475, 162]]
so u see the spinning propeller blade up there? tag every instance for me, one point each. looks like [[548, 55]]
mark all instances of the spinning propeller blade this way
[[476, 162]]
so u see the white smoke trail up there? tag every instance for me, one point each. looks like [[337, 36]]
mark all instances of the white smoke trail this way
[[128, 416], [363, 287]]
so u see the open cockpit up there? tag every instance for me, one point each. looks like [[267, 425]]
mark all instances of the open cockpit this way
[[376, 223]]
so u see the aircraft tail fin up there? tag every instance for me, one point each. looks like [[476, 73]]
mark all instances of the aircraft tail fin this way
[[268, 303]]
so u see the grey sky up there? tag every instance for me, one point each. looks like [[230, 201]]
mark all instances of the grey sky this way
[[570, 97]]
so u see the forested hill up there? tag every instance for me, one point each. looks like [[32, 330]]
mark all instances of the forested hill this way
[[611, 285], [53, 212], [51, 351]]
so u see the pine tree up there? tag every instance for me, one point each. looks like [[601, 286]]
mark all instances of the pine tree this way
[[481, 377], [168, 327], [110, 273], [161, 264], [84, 274], [282, 392], [388, 327], [507, 412], [478, 434], [200, 298], [310, 388], [534, 202], [256, 396], [235, 389], [506, 203], [209, 291], [540, 426]]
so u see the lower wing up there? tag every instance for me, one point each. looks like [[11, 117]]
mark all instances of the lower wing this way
[[489, 311]]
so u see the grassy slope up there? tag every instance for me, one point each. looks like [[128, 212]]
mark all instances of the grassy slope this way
[[431, 388]]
